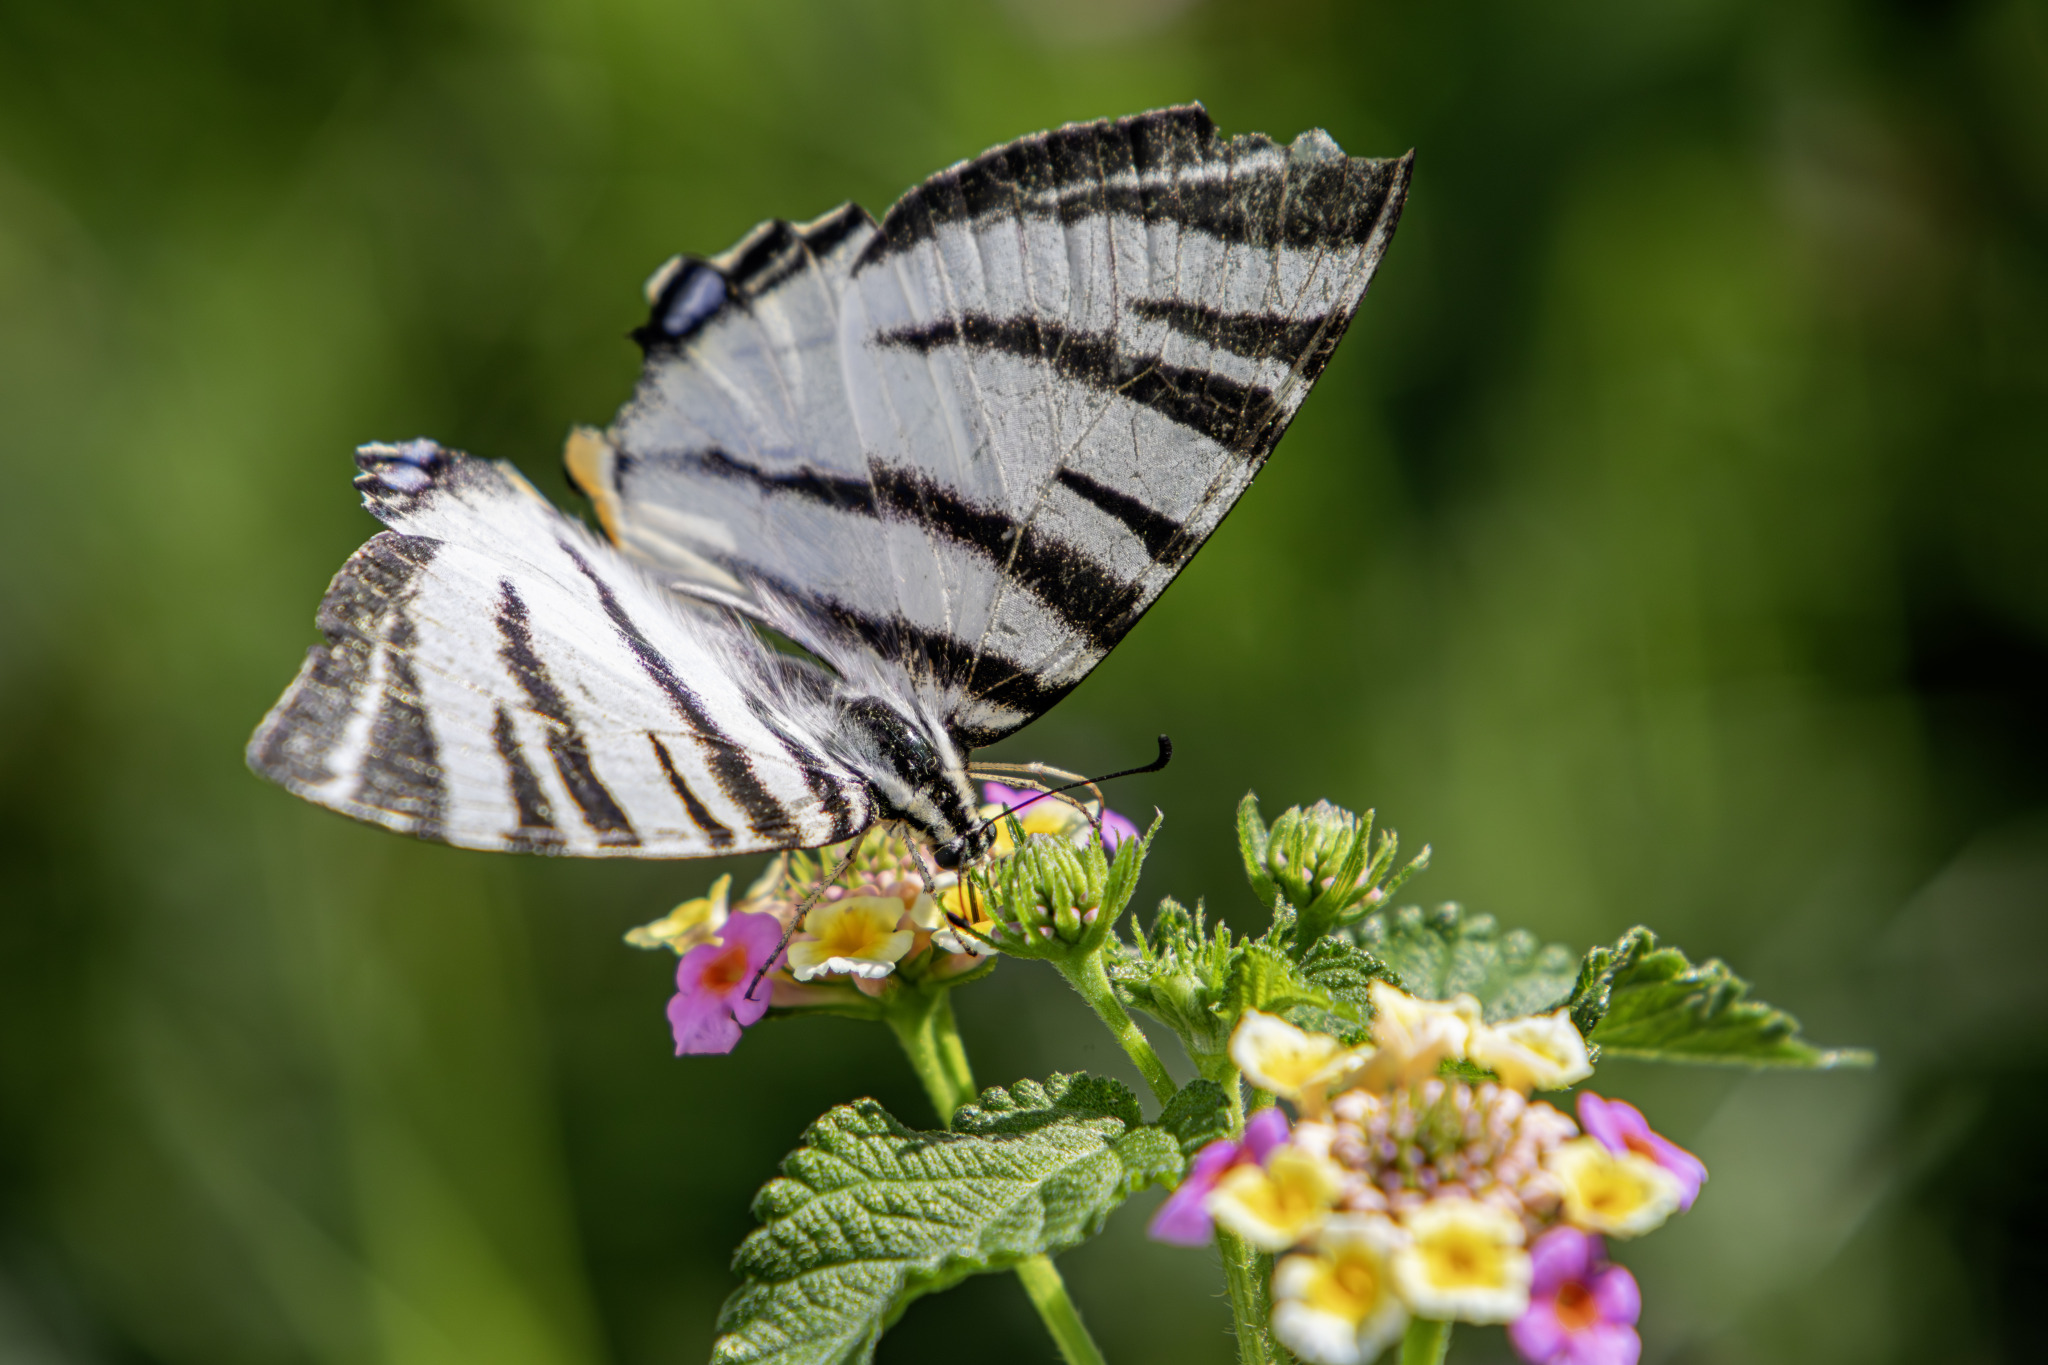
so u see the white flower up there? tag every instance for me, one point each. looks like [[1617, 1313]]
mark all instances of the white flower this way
[[1464, 1262], [1337, 1305], [856, 936], [1294, 1064], [1535, 1052], [1414, 1036], [1622, 1196], [1276, 1205]]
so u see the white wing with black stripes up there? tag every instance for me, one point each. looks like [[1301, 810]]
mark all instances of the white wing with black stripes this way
[[961, 452], [495, 677], [954, 456]]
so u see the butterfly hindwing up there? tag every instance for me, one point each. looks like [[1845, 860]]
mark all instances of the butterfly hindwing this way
[[494, 677], [968, 448]]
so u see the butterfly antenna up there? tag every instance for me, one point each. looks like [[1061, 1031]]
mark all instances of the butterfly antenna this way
[[1165, 757]]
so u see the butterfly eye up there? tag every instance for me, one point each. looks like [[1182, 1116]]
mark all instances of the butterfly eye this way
[[950, 856]]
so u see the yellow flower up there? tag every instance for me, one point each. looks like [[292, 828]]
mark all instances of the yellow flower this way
[[1294, 1064], [1049, 815], [1464, 1262], [1276, 1205], [1622, 1196], [1414, 1036], [1535, 1052], [856, 936], [689, 924], [1338, 1305], [949, 905]]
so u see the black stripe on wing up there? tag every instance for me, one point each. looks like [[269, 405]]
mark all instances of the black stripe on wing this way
[[537, 832], [297, 744], [1165, 539], [401, 769], [720, 836], [1244, 419], [1167, 165], [1255, 336], [1088, 596], [566, 744], [834, 490], [731, 767], [936, 656]]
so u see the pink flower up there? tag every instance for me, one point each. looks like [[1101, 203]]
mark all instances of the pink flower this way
[[1582, 1311], [1182, 1219], [711, 1004], [1054, 816], [1621, 1128]]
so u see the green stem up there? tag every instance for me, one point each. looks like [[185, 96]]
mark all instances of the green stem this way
[[930, 1037], [923, 1024], [1086, 975], [1041, 1280], [1426, 1342], [1251, 1308]]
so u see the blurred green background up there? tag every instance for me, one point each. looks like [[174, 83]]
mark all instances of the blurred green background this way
[[1668, 542]]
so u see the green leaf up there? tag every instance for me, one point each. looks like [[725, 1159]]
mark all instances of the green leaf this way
[[1639, 1000], [868, 1214], [1441, 952], [1252, 839], [1343, 970], [1122, 878], [1197, 1115]]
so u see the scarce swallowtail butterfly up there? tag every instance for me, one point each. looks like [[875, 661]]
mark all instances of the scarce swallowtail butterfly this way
[[952, 457]]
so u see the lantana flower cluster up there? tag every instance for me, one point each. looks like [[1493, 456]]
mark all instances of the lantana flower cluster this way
[[877, 914], [1406, 1190]]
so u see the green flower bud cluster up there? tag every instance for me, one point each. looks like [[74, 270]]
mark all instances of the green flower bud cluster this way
[[1054, 898], [1179, 973], [1323, 864]]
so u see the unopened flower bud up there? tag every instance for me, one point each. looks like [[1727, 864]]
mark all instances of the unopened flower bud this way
[[1311, 849]]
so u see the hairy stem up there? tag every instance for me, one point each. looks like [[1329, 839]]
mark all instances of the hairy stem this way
[[1085, 974], [930, 1037], [923, 1024], [1426, 1342], [1041, 1280], [1251, 1309]]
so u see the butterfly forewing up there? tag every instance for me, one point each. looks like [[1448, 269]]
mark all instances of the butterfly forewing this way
[[1062, 363], [496, 678]]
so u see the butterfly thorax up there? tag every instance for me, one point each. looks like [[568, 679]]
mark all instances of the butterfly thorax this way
[[918, 774]]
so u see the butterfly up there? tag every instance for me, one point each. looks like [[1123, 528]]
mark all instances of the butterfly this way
[[883, 495]]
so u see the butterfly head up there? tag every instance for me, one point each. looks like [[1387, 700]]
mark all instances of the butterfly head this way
[[920, 776], [972, 843]]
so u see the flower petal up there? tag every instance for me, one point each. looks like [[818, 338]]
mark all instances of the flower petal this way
[[701, 1026], [1264, 1131], [1616, 1295], [1614, 1122], [1464, 1263], [1621, 1128], [1622, 1196], [1538, 1336], [1116, 829], [1183, 1220], [1537, 1052], [1562, 1253], [1605, 1344]]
